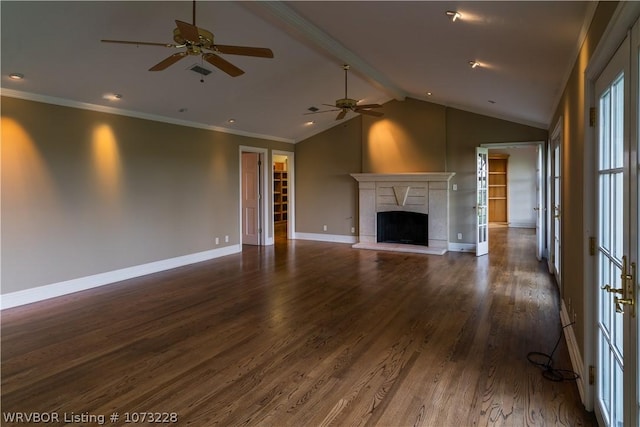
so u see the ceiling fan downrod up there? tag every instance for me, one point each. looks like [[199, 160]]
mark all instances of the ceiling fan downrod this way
[[346, 68]]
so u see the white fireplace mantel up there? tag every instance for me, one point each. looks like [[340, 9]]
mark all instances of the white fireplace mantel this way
[[403, 177], [412, 192]]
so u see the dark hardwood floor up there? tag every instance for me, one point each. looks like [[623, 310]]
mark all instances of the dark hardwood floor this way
[[303, 334]]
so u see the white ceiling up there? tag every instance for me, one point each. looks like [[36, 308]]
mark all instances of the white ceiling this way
[[395, 49]]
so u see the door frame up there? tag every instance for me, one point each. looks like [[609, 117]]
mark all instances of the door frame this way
[[556, 140], [266, 237], [541, 145], [623, 19], [291, 199]]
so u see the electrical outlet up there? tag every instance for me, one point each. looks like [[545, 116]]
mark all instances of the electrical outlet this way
[[459, 236], [455, 187], [353, 229], [217, 241], [324, 227], [226, 239]]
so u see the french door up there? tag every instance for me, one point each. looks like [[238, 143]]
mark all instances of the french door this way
[[616, 166], [556, 223], [482, 201]]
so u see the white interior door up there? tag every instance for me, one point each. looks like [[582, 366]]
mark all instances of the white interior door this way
[[250, 198], [616, 325], [482, 201], [539, 203]]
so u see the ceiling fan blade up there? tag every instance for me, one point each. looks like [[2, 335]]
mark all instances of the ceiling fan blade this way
[[318, 112], [341, 114], [139, 43], [168, 61], [368, 106], [261, 52], [369, 112], [223, 64], [188, 32]]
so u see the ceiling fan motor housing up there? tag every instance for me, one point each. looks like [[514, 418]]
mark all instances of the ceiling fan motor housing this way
[[346, 103], [205, 41]]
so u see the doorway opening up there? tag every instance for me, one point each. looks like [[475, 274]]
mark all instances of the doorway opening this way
[[516, 188], [498, 189], [283, 196]]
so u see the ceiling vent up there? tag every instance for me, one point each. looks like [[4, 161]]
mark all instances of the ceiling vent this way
[[313, 109], [200, 70]]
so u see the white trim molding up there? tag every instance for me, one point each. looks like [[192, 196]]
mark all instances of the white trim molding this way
[[334, 238], [462, 247], [41, 293], [523, 224], [12, 93], [574, 351]]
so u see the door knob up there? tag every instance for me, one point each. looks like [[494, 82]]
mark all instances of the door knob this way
[[628, 288], [611, 290], [619, 301]]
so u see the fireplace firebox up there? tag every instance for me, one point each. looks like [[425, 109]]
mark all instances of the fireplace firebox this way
[[411, 228]]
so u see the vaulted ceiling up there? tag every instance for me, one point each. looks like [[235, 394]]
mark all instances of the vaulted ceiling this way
[[395, 49]]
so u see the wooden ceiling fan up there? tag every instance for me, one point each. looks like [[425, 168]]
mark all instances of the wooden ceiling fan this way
[[198, 41], [347, 104]]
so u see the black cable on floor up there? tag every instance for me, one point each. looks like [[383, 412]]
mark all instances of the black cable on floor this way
[[545, 361]]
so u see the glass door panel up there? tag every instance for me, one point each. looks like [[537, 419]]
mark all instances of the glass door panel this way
[[615, 381]]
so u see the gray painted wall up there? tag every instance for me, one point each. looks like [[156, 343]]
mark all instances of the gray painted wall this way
[[85, 193]]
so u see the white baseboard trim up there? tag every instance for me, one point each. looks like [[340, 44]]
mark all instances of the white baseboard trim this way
[[28, 296], [522, 225], [334, 238], [462, 247], [574, 351]]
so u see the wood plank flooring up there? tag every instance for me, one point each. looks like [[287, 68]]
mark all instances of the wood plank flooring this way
[[303, 334]]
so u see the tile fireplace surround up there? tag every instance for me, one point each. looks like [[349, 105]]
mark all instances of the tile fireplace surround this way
[[426, 193]]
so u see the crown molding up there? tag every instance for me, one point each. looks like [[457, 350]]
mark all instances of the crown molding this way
[[11, 93]]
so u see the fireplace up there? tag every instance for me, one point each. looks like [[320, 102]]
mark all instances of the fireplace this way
[[410, 228], [408, 196]]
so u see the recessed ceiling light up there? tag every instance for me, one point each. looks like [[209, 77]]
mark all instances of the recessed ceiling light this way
[[112, 96], [16, 76], [429, 93], [310, 122], [453, 15], [231, 120], [182, 110], [474, 64]]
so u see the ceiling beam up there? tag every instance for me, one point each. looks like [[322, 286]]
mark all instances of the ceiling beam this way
[[298, 26]]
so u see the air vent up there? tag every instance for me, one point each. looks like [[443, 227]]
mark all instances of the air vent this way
[[200, 70], [313, 109]]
